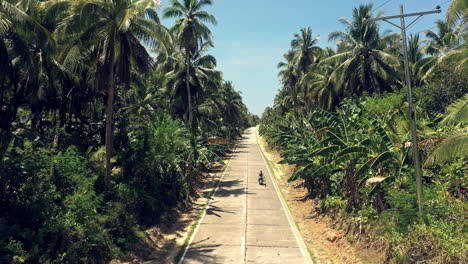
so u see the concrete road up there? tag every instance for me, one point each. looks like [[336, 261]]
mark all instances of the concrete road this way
[[246, 222]]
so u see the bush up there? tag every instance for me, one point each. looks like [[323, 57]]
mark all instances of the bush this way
[[333, 204], [437, 242], [440, 238], [453, 175], [446, 86], [51, 211], [154, 178], [382, 104]]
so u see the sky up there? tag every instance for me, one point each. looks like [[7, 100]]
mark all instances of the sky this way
[[252, 35]]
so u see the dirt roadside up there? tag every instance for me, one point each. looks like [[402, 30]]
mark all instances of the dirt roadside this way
[[325, 244]]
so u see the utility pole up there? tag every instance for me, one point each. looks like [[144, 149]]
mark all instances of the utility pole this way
[[414, 133]]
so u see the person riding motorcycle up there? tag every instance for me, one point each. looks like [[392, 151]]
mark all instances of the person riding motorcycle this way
[[261, 178]]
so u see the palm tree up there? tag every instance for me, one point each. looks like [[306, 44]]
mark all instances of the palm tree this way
[[283, 102], [22, 42], [232, 108], [444, 44], [443, 40], [414, 49], [365, 65], [115, 39], [304, 49], [455, 143], [289, 77], [318, 86], [415, 54], [190, 32], [458, 10], [302, 55], [202, 77]]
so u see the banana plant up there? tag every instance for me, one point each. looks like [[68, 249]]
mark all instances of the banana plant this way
[[344, 149], [454, 143]]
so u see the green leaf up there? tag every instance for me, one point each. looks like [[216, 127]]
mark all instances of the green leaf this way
[[353, 150]]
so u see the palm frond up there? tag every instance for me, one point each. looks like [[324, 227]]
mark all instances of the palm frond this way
[[454, 146]]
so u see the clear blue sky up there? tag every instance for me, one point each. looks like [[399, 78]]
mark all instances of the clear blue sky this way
[[252, 35]]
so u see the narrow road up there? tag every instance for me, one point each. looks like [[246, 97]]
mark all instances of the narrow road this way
[[246, 222]]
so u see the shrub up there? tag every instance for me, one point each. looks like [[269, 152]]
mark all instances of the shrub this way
[[333, 204], [154, 169], [51, 211], [446, 86], [437, 242]]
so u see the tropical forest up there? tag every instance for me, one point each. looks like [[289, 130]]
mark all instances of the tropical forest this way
[[104, 122], [115, 118]]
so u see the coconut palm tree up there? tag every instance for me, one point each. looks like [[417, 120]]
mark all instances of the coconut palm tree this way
[[455, 143], [22, 42], [443, 40], [365, 65], [414, 49], [302, 55], [289, 77], [317, 84], [304, 48], [415, 54], [190, 31], [115, 39], [444, 44], [202, 77], [232, 108], [458, 10]]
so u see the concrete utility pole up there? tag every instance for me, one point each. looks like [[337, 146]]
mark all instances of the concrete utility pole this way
[[414, 133]]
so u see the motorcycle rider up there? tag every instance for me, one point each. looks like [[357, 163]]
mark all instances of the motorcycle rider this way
[[261, 179]]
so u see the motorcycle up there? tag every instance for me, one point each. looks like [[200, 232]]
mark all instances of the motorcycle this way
[[261, 179]]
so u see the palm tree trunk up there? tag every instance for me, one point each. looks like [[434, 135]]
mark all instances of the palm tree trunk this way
[[191, 179], [8, 116], [60, 118], [189, 93], [110, 111]]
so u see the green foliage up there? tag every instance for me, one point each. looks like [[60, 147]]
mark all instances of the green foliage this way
[[453, 175], [385, 103], [94, 138], [333, 204], [341, 118], [58, 190], [356, 161], [447, 86], [403, 208], [155, 165], [337, 143], [442, 239]]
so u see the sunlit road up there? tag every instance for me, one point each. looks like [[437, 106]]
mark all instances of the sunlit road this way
[[246, 222]]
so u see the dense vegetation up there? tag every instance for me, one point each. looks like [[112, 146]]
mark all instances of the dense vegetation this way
[[341, 117], [105, 116]]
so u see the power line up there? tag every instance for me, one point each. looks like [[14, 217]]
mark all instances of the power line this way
[[414, 22], [446, 2], [425, 30], [386, 2]]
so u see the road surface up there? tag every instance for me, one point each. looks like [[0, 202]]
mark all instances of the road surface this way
[[246, 222]]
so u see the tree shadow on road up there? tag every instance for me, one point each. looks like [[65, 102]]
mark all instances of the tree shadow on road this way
[[202, 253], [215, 210]]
